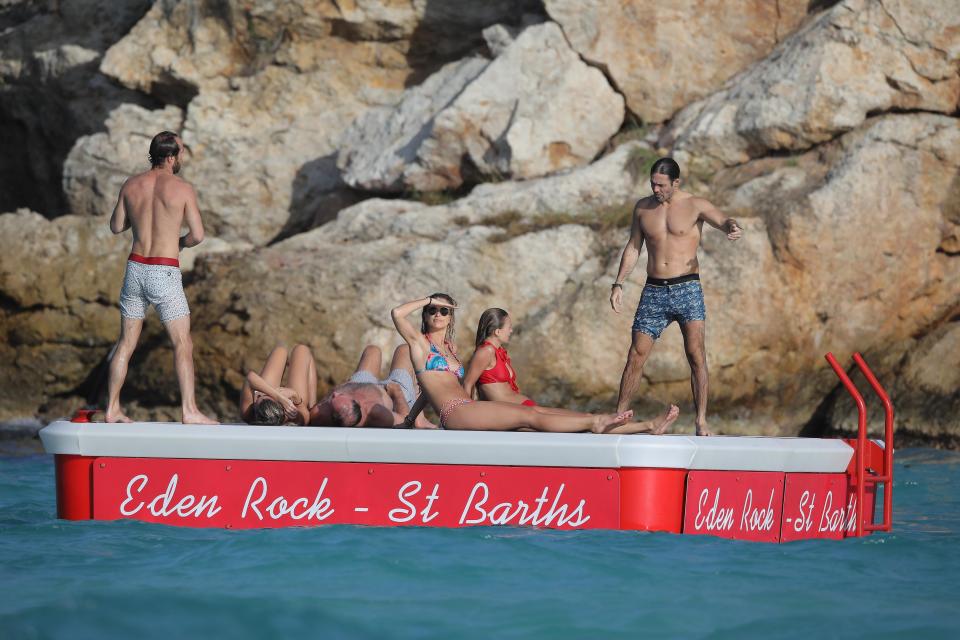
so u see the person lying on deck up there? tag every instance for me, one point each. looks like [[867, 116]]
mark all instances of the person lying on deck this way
[[366, 400], [264, 401]]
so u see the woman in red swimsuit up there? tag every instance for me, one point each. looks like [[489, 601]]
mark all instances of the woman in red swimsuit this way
[[492, 374], [490, 371]]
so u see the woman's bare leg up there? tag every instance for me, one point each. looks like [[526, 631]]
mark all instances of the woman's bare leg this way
[[311, 398], [273, 368], [557, 411], [298, 378], [505, 416], [655, 427]]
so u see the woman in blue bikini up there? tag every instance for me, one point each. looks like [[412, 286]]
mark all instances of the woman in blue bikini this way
[[440, 372]]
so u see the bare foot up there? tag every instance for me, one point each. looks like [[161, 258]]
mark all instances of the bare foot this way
[[662, 422], [195, 417], [604, 422], [703, 429], [422, 423], [115, 415]]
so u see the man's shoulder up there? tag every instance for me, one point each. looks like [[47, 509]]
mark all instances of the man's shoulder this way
[[646, 203], [694, 201], [133, 181], [177, 183]]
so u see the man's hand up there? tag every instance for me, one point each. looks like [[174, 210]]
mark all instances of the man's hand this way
[[396, 395], [734, 231], [616, 298]]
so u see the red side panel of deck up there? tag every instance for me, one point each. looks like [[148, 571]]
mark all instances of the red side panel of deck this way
[[743, 505], [250, 493], [74, 478], [818, 505], [652, 499]]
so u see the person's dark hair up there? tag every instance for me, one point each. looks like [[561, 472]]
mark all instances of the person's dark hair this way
[[268, 411], [451, 331], [164, 145], [490, 320], [666, 166], [356, 414]]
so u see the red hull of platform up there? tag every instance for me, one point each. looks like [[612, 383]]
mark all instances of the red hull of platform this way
[[758, 506]]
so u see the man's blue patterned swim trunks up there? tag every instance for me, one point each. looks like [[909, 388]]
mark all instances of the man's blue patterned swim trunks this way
[[664, 301]]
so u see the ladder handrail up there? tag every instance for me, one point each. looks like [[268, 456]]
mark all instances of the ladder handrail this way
[[887, 440], [861, 448]]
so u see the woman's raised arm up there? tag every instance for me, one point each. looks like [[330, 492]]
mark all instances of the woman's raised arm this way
[[257, 383], [407, 330], [399, 315]]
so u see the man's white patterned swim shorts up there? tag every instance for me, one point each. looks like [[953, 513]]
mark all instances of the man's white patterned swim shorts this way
[[159, 285]]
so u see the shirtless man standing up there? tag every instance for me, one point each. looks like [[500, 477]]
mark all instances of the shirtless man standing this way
[[155, 204], [671, 223], [367, 401]]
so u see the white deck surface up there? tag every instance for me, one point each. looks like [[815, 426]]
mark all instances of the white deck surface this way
[[332, 444]]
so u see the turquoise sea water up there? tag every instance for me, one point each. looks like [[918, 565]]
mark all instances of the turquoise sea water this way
[[130, 579]]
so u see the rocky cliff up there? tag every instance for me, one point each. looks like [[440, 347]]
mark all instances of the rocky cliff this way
[[351, 155]]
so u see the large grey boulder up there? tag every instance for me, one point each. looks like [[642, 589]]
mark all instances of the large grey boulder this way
[[194, 44], [601, 193], [535, 110], [861, 57], [264, 151], [663, 55], [382, 143]]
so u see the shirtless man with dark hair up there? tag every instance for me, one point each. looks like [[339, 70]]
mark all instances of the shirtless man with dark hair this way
[[155, 204], [671, 223]]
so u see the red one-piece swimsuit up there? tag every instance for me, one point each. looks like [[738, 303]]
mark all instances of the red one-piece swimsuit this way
[[502, 371]]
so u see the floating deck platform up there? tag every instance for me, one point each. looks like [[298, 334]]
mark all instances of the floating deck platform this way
[[242, 476]]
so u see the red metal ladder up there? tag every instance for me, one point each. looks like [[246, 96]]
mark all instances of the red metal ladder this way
[[886, 477]]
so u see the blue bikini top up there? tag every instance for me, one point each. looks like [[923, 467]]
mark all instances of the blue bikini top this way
[[436, 361]]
